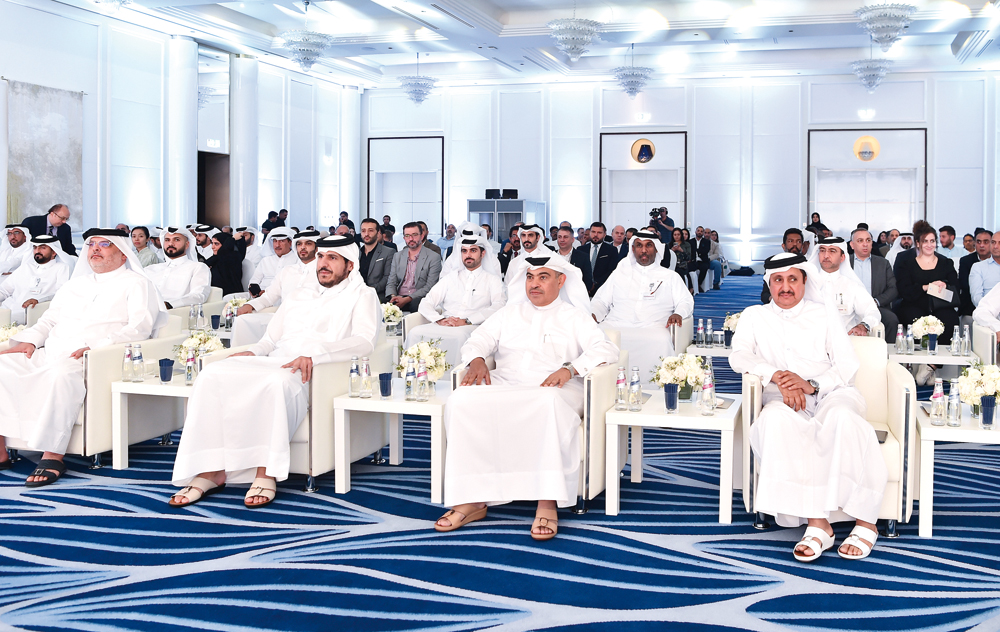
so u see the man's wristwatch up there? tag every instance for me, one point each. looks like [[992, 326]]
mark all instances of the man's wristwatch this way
[[815, 385], [865, 325], [569, 366]]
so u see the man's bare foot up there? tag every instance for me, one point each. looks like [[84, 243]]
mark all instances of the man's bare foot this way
[[849, 549], [461, 511], [803, 550], [47, 455], [218, 478]]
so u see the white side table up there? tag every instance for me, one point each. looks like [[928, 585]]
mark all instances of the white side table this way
[[395, 408], [920, 356], [969, 432], [715, 352], [120, 392], [687, 417]]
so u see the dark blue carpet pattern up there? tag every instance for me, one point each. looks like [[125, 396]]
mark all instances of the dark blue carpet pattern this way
[[101, 552]]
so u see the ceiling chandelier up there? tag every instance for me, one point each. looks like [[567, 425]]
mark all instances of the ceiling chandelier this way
[[306, 46], [114, 5], [885, 22], [632, 78], [573, 35], [417, 88], [871, 72]]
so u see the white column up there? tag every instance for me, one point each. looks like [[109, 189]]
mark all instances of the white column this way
[[181, 201], [3, 150], [243, 129], [350, 154]]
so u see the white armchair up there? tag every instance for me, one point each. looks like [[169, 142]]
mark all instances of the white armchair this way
[[412, 320], [4, 317], [33, 313], [984, 344], [681, 336], [891, 394], [312, 445]]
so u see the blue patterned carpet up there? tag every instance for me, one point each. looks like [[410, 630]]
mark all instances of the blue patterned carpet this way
[[101, 551]]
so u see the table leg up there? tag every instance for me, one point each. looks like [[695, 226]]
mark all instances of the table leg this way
[[438, 445], [636, 452], [395, 439], [926, 489], [342, 450], [119, 431], [726, 477], [612, 491]]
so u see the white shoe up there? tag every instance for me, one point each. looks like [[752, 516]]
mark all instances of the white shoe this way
[[925, 375]]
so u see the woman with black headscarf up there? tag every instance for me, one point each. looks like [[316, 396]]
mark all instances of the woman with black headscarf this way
[[227, 262]]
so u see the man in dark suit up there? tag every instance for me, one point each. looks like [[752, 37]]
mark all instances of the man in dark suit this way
[[414, 271], [53, 223], [386, 235], [375, 259], [877, 277], [703, 247], [965, 264], [600, 257], [619, 241]]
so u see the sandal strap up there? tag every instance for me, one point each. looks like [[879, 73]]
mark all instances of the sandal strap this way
[[188, 492], [864, 533]]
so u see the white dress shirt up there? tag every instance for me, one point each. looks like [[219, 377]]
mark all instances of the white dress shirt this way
[[863, 268], [983, 277]]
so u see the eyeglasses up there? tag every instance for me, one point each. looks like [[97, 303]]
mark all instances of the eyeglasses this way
[[63, 218], [99, 244]]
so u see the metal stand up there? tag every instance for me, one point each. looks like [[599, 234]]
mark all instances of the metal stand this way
[[96, 463], [890, 529], [166, 440], [760, 521], [377, 458], [14, 455], [310, 485], [581, 506]]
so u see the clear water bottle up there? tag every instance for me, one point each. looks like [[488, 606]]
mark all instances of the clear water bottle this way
[[966, 342], [938, 403], [411, 381], [621, 391], [910, 342], [138, 365], [366, 378], [956, 342], [354, 385], [699, 338], [192, 317], [708, 393], [190, 367], [422, 391], [954, 404], [127, 364], [901, 340], [227, 314], [201, 323], [635, 391], [709, 334]]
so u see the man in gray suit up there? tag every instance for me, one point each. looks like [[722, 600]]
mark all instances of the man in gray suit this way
[[876, 275], [414, 271], [375, 261]]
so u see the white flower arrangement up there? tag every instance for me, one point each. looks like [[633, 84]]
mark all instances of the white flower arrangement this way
[[431, 353], [685, 368], [926, 325], [391, 314], [196, 341], [236, 303], [978, 381], [731, 321], [8, 332]]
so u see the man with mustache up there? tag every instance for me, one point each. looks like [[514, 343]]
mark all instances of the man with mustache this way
[[841, 286], [181, 280], [12, 252], [37, 279], [246, 439], [108, 301], [819, 458]]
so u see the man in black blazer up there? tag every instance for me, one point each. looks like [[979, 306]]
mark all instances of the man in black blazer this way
[[600, 257], [53, 223], [877, 276], [375, 258], [965, 264], [619, 241], [703, 247]]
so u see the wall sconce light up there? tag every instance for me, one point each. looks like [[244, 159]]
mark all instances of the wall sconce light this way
[[643, 150], [866, 148]]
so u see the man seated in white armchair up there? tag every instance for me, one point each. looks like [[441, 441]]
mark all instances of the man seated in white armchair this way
[[107, 301], [466, 295], [239, 439], [987, 313], [842, 287], [37, 279], [819, 459], [250, 326], [513, 433], [182, 280], [642, 299]]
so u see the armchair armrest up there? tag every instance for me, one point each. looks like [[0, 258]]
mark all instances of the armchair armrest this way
[[458, 373], [681, 336], [878, 331], [598, 398], [4, 316], [222, 354], [984, 344], [35, 312], [410, 321], [753, 392], [902, 422]]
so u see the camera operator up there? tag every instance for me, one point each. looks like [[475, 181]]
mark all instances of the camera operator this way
[[663, 224]]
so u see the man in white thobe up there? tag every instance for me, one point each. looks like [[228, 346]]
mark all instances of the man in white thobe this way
[[461, 300], [842, 287], [531, 237], [513, 433], [182, 280], [203, 234], [903, 243], [14, 248], [277, 255], [155, 244], [107, 301], [241, 439], [819, 459], [37, 279], [251, 325], [642, 299]]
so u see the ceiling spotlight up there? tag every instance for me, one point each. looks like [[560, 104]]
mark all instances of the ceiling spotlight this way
[[885, 22]]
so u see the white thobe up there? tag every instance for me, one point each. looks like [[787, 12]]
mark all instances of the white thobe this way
[[825, 461], [853, 302], [147, 256], [244, 411], [41, 396], [541, 250], [637, 301], [206, 251], [250, 328], [475, 296], [181, 281], [32, 281], [988, 309], [514, 439], [11, 258], [268, 267], [254, 254]]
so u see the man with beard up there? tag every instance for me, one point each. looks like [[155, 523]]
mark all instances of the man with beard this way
[[793, 242], [12, 252], [181, 280], [375, 261], [37, 279]]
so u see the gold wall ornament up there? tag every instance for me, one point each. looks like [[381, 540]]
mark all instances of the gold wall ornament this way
[[866, 148], [643, 150]]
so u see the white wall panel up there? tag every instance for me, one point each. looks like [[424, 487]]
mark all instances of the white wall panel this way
[[777, 161], [959, 154], [469, 158], [397, 112], [521, 143], [271, 186], [301, 156], [659, 106], [571, 151], [893, 102], [716, 162], [327, 157]]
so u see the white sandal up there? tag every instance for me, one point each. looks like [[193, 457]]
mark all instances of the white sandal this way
[[857, 538], [817, 540], [265, 487]]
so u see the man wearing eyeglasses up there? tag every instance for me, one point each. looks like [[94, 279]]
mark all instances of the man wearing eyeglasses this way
[[54, 223]]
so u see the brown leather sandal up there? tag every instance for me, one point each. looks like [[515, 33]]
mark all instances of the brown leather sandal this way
[[549, 522], [478, 514]]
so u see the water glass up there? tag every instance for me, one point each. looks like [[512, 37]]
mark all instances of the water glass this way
[[385, 385]]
